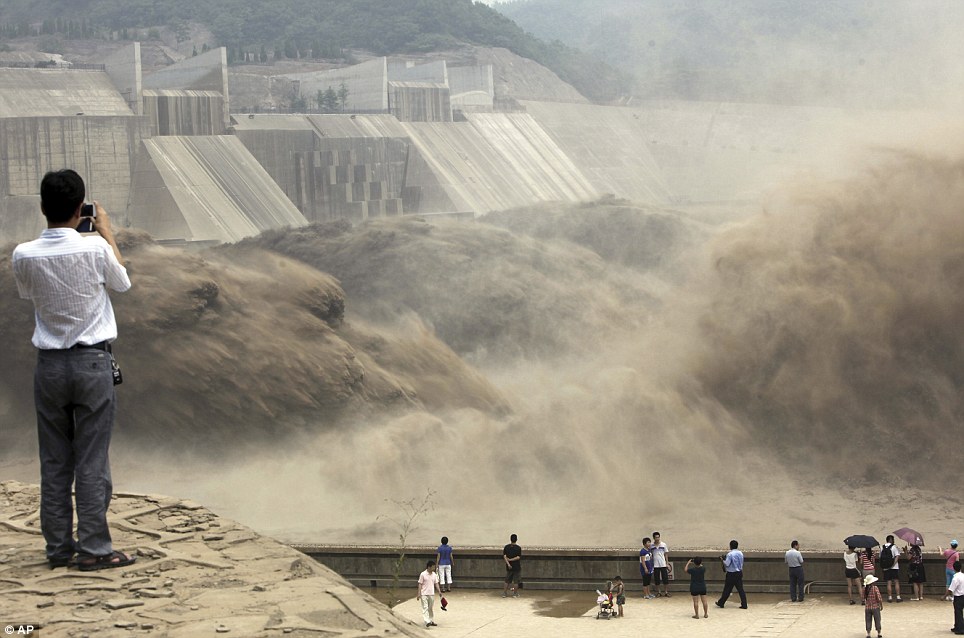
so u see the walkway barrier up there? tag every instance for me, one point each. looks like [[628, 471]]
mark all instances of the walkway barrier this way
[[578, 569]]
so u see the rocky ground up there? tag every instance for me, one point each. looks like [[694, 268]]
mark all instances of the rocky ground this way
[[196, 574]]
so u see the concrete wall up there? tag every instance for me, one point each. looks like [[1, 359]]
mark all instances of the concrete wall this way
[[205, 189], [124, 69], [276, 148], [352, 178], [435, 72], [367, 84], [472, 87], [21, 218], [610, 145], [205, 72], [101, 149], [173, 112], [587, 569], [419, 102], [506, 164], [58, 92]]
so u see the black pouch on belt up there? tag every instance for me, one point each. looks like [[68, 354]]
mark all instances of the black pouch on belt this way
[[116, 371]]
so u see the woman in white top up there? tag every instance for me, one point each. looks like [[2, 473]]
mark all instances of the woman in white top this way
[[852, 574]]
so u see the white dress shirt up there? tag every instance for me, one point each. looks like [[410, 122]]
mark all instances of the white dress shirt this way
[[66, 275], [957, 584]]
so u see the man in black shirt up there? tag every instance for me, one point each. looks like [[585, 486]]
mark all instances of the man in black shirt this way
[[512, 555]]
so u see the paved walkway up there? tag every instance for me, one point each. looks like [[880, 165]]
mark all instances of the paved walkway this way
[[485, 614]]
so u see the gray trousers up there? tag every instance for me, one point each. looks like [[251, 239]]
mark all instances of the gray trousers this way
[[75, 401], [872, 615]]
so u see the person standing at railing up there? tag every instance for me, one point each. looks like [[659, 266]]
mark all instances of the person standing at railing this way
[[794, 561]]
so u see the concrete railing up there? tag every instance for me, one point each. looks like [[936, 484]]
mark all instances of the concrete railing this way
[[590, 569]]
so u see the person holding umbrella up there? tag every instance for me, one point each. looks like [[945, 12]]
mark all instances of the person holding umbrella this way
[[915, 571], [915, 560]]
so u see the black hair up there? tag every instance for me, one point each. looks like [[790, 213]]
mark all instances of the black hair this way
[[697, 561], [890, 538], [957, 565], [61, 193], [851, 547], [619, 578], [513, 538], [794, 543], [647, 540], [734, 544], [445, 540], [657, 534], [430, 563]]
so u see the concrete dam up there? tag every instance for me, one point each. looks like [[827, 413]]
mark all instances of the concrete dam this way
[[166, 153]]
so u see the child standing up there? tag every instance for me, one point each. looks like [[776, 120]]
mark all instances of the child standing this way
[[694, 567], [646, 566], [619, 591], [443, 557], [868, 561], [873, 603]]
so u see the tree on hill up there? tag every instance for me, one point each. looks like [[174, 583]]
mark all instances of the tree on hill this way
[[379, 26]]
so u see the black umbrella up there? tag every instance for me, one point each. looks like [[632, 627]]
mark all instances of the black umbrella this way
[[861, 540]]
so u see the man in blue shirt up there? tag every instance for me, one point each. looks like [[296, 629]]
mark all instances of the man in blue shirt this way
[[443, 557], [733, 564], [646, 567]]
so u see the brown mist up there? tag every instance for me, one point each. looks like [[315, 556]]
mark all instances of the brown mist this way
[[761, 381]]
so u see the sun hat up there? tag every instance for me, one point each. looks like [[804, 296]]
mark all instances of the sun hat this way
[[869, 579]]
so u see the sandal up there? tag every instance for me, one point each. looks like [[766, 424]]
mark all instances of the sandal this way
[[114, 559]]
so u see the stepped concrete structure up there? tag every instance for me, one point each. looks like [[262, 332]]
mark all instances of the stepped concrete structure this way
[[207, 189], [411, 92], [107, 123], [497, 132], [205, 72], [493, 162]]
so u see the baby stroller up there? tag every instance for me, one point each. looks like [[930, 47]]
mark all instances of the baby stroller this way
[[605, 602]]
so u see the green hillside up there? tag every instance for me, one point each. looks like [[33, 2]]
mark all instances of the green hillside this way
[[303, 27]]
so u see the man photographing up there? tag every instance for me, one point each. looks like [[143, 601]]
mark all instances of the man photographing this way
[[66, 275]]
